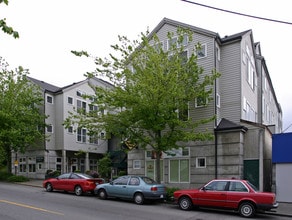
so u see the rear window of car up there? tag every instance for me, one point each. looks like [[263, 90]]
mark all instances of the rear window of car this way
[[148, 180]]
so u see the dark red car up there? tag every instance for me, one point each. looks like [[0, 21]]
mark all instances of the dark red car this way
[[239, 195], [72, 182]]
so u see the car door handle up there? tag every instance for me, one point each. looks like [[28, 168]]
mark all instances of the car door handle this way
[[124, 186]]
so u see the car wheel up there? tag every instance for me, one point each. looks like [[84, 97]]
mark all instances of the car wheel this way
[[78, 190], [102, 194], [139, 198], [247, 210], [49, 187], [185, 203]]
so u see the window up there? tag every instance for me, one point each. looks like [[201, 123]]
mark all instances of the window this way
[[250, 68], [218, 54], [150, 169], [216, 186], [92, 107], [237, 187], [49, 128], [218, 100], [31, 165], [179, 171], [200, 101], [81, 135], [134, 181], [174, 42], [81, 106], [121, 181], [49, 99], [70, 100], [201, 162], [137, 164], [22, 164], [201, 51], [158, 46], [79, 93], [59, 163], [70, 129], [93, 139]]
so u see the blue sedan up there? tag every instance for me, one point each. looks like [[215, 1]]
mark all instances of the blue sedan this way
[[136, 188]]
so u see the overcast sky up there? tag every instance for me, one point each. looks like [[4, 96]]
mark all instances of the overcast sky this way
[[49, 30]]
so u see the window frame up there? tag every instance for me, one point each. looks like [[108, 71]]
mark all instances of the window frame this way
[[137, 164], [202, 49], [49, 97], [198, 162]]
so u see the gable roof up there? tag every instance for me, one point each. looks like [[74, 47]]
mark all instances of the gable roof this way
[[184, 25], [45, 86], [226, 125]]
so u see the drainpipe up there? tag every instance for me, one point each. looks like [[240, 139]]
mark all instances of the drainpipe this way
[[215, 111]]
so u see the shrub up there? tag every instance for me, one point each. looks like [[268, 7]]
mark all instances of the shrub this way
[[4, 175], [17, 179], [52, 174], [169, 193]]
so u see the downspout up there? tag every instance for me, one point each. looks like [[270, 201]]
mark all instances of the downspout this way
[[215, 111]]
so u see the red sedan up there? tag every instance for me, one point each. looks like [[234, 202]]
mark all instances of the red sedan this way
[[239, 195], [72, 182]]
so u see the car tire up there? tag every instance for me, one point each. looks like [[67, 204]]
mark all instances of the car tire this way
[[102, 194], [49, 187], [185, 203], [78, 190], [139, 198], [247, 209]]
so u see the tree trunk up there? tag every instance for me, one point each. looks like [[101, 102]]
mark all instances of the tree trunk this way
[[158, 174]]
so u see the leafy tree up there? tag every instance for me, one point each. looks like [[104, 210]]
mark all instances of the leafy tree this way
[[104, 166], [152, 90], [5, 28], [21, 123]]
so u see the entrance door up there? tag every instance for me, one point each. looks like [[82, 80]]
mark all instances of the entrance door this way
[[251, 171]]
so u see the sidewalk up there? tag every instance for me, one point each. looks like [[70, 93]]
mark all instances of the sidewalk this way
[[284, 209]]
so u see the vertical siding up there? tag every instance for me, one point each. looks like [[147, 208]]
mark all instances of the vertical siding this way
[[230, 81]]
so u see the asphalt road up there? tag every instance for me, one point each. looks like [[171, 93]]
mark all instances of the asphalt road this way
[[18, 202]]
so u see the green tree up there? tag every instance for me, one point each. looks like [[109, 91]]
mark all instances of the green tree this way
[[3, 25], [152, 90], [104, 166], [21, 123]]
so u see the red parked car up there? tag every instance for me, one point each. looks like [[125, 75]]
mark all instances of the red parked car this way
[[72, 182], [238, 195]]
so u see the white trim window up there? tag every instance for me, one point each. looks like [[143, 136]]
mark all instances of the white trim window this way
[[173, 42], [81, 135], [201, 50], [137, 164], [50, 99], [80, 93], [70, 100], [81, 106], [70, 130], [201, 102], [201, 162], [218, 100], [179, 171]]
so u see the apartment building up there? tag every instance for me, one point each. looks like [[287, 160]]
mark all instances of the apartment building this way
[[68, 149], [246, 108]]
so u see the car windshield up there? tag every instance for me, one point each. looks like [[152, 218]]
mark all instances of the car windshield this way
[[252, 186], [148, 180]]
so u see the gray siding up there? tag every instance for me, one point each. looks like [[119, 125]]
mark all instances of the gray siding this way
[[230, 81]]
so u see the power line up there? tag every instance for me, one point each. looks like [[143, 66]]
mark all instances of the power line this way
[[237, 13]]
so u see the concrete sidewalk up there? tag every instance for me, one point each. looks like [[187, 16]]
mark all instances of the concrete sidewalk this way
[[284, 209]]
